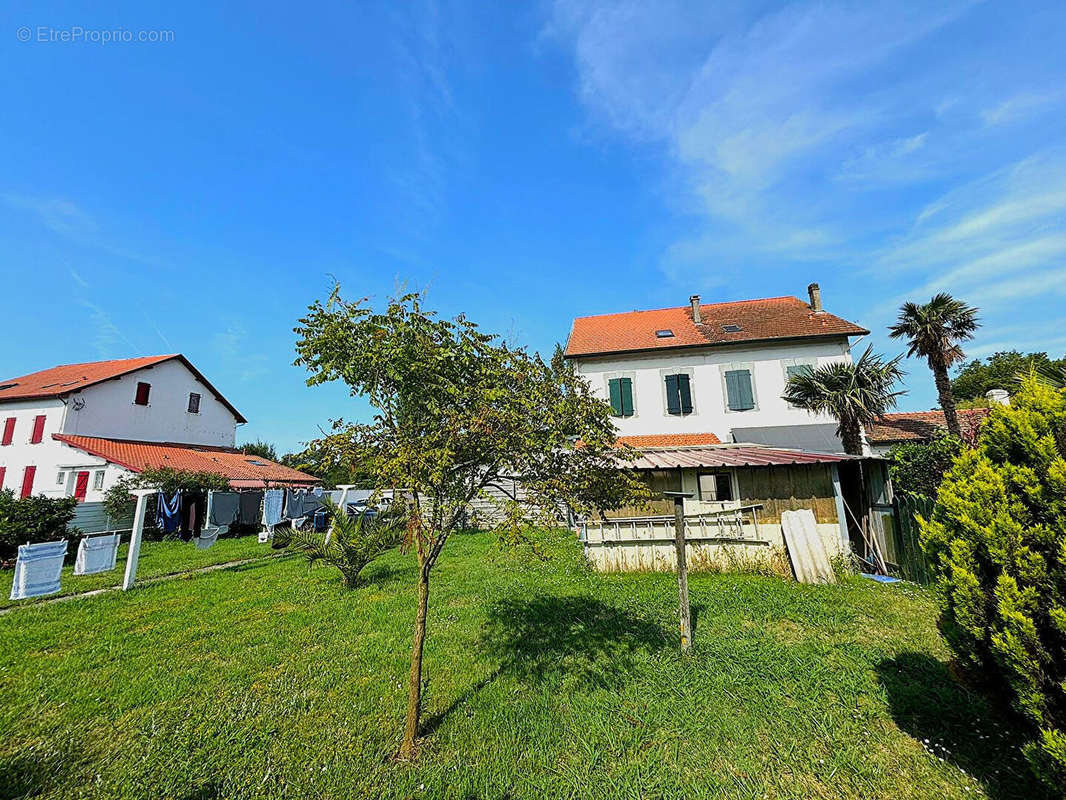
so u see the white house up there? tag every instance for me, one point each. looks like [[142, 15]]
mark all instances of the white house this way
[[74, 430], [698, 390], [713, 370]]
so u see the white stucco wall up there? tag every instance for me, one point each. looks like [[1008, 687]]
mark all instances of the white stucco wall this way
[[707, 367], [109, 411], [57, 464]]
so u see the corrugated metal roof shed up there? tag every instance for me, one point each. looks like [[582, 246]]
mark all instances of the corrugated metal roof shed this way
[[731, 456]]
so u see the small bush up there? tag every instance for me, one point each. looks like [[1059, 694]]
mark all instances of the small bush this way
[[919, 467], [997, 540], [34, 519]]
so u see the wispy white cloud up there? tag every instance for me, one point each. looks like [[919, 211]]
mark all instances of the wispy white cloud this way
[[60, 215], [1021, 106], [801, 133]]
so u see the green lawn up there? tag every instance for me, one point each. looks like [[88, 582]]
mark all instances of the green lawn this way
[[157, 558], [544, 680]]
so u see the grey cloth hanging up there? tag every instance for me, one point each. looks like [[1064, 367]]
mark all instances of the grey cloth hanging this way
[[249, 510], [225, 506]]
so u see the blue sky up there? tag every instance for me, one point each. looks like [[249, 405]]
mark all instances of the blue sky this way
[[524, 164]]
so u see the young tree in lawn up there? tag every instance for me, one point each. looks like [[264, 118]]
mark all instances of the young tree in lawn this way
[[854, 394], [936, 331], [459, 413]]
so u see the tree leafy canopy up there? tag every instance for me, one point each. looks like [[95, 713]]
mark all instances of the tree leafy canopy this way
[[997, 539], [1000, 371], [919, 467], [456, 410], [855, 394]]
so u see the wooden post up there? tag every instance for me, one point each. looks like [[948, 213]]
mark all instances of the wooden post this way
[[684, 609], [134, 552]]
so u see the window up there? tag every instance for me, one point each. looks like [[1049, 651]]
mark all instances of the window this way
[[621, 393], [38, 429], [9, 430], [664, 334], [98, 480], [678, 394], [796, 367], [27, 481], [716, 486], [194, 403], [143, 389], [61, 478], [732, 328], [740, 394]]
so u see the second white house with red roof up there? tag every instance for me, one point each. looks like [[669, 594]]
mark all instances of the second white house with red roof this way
[[705, 372], [74, 430]]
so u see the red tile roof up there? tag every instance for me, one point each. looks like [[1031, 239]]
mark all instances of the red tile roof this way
[[759, 320], [68, 378], [914, 426], [241, 469], [669, 440], [732, 456]]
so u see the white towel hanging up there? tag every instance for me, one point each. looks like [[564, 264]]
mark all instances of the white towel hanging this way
[[37, 569], [96, 554]]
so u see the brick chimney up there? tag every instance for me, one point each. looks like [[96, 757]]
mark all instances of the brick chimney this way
[[816, 298], [694, 301]]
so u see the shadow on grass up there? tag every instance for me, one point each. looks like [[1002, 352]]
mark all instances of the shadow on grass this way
[[33, 774], [579, 639], [960, 726]]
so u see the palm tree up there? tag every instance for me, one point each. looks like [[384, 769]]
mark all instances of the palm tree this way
[[855, 394], [936, 330], [352, 543]]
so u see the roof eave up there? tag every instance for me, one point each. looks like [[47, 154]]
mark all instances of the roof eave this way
[[764, 340]]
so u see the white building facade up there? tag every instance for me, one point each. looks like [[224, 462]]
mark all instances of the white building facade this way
[[153, 399], [716, 369]]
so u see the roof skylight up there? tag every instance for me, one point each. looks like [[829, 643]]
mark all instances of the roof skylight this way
[[664, 334], [732, 328]]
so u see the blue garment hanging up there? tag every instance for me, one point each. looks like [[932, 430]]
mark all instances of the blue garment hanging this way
[[166, 512]]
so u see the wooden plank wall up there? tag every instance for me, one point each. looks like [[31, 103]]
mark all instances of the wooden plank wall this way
[[789, 488]]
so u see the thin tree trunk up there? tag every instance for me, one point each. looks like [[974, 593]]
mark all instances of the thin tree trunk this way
[[947, 399], [414, 688]]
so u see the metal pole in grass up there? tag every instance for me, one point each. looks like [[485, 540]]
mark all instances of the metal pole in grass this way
[[134, 552], [684, 610]]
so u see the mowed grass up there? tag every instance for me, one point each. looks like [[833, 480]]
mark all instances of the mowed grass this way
[[166, 557], [544, 680]]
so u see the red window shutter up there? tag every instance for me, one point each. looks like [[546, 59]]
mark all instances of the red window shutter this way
[[9, 430], [27, 481], [3, 473], [141, 398], [38, 429]]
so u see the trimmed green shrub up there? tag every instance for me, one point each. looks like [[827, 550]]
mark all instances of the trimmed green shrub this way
[[919, 467], [997, 541], [34, 519]]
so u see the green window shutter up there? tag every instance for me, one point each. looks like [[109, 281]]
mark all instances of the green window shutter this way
[[614, 386], [738, 390], [799, 369], [685, 392], [673, 396], [626, 390]]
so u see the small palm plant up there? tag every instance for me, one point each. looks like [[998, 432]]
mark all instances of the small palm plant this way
[[351, 543], [936, 330], [855, 394]]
